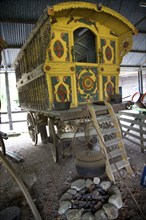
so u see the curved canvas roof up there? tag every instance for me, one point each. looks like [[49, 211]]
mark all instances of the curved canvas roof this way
[[97, 12]]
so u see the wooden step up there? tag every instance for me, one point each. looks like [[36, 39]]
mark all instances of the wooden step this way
[[104, 119], [119, 165], [108, 131], [112, 142], [115, 153]]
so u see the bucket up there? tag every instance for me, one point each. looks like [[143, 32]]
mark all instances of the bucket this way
[[143, 178]]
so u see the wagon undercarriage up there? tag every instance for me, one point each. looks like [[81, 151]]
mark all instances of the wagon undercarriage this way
[[58, 130], [64, 127]]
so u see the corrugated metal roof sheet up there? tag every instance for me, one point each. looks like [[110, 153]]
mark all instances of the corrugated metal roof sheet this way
[[139, 42], [134, 59], [9, 55], [31, 10], [15, 34], [22, 9]]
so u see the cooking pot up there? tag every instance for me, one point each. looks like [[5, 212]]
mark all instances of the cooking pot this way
[[58, 106], [116, 98], [90, 164]]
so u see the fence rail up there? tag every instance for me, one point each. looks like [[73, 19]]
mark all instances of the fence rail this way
[[17, 117], [133, 125]]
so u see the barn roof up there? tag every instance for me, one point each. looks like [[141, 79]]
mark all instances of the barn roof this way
[[17, 19]]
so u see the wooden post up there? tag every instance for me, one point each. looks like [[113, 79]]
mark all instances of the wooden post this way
[[141, 134], [8, 101], [140, 81], [3, 45]]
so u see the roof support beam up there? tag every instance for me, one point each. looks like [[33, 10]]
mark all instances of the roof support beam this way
[[137, 51], [14, 46], [141, 20], [135, 66], [141, 32], [21, 21], [120, 6]]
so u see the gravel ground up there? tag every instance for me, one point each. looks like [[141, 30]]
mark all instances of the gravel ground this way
[[47, 180]]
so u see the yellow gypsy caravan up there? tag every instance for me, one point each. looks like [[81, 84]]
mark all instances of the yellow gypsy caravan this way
[[73, 54]]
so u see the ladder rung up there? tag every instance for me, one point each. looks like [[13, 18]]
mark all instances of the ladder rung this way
[[115, 153], [104, 119], [100, 107], [112, 142], [108, 131], [119, 165]]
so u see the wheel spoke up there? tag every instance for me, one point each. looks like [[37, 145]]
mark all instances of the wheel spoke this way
[[53, 142], [32, 128]]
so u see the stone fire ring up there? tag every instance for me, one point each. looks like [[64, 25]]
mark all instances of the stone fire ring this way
[[91, 199]]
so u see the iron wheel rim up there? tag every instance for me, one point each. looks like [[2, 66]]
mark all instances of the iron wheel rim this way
[[2, 147]]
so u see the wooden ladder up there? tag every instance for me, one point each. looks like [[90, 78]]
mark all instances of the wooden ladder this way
[[110, 140]]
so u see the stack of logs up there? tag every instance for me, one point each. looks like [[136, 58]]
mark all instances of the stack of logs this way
[[91, 199]]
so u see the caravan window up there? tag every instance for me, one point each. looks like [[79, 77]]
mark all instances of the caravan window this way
[[84, 46]]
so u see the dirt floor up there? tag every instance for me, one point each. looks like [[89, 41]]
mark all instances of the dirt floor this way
[[47, 180]]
